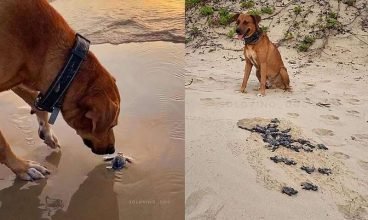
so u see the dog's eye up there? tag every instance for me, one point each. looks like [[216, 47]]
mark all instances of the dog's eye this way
[[245, 22]]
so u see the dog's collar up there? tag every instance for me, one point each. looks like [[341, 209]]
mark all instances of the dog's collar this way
[[252, 39], [53, 99]]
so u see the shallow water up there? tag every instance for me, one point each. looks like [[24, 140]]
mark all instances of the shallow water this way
[[121, 21], [151, 130]]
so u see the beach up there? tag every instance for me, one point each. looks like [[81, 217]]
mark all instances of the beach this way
[[229, 174], [150, 79]]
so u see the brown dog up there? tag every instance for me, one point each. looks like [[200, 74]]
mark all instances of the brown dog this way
[[260, 52], [35, 42]]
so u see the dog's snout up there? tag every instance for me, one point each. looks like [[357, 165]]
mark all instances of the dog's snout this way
[[88, 143], [110, 149], [238, 30], [101, 151]]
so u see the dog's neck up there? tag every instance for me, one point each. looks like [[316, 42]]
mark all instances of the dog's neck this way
[[253, 38]]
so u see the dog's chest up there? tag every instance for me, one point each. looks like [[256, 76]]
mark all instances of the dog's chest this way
[[251, 55]]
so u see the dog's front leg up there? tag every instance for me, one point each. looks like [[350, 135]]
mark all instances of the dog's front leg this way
[[44, 131], [248, 68], [24, 169], [263, 71]]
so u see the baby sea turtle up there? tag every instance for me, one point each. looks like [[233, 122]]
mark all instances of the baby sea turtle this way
[[289, 191], [289, 161], [309, 186], [259, 129], [277, 159], [306, 148], [118, 162], [295, 148], [275, 120], [307, 169], [302, 141], [285, 160], [310, 145], [322, 147], [271, 129], [326, 171], [272, 125]]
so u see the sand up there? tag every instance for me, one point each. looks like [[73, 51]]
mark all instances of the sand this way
[[228, 171], [151, 130]]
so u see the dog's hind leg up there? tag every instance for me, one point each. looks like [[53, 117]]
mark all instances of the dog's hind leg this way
[[285, 78], [24, 169], [44, 131]]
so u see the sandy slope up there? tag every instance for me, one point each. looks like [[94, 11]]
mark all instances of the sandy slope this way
[[228, 173]]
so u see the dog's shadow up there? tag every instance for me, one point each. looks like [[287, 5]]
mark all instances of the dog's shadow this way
[[95, 199]]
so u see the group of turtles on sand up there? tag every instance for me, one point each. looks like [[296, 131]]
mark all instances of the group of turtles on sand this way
[[275, 138]]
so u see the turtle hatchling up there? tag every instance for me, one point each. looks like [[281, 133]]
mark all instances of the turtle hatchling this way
[[289, 191], [275, 120], [118, 162], [307, 169], [309, 186], [322, 147], [326, 171]]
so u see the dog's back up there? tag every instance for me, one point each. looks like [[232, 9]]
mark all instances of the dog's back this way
[[31, 32]]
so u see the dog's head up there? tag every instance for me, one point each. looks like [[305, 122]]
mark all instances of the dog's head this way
[[101, 116], [94, 115], [246, 24]]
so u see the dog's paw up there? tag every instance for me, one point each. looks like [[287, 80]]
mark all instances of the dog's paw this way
[[32, 171], [243, 90], [49, 137], [260, 95]]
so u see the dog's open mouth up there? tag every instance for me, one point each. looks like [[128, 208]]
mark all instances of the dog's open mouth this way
[[242, 36], [239, 36]]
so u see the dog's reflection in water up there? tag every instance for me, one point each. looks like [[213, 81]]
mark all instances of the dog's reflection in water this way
[[95, 199]]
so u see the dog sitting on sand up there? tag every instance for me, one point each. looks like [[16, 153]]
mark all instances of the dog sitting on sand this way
[[260, 52]]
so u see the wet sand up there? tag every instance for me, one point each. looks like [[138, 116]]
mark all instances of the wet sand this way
[[151, 130]]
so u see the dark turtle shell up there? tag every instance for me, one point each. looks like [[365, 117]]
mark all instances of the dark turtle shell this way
[[118, 162]]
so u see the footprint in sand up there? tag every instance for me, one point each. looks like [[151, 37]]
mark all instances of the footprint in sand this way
[[341, 155], [353, 113], [333, 101], [323, 132], [330, 117], [214, 101], [325, 81], [308, 87], [293, 101], [203, 204], [293, 115], [361, 137], [353, 101], [363, 164]]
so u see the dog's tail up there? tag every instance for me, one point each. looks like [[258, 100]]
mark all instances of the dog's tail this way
[[285, 78]]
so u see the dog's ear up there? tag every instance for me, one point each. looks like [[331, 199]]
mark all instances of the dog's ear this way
[[94, 117], [101, 111], [235, 16], [256, 19]]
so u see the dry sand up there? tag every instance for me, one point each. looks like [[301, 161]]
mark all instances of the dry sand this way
[[228, 171], [151, 130]]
